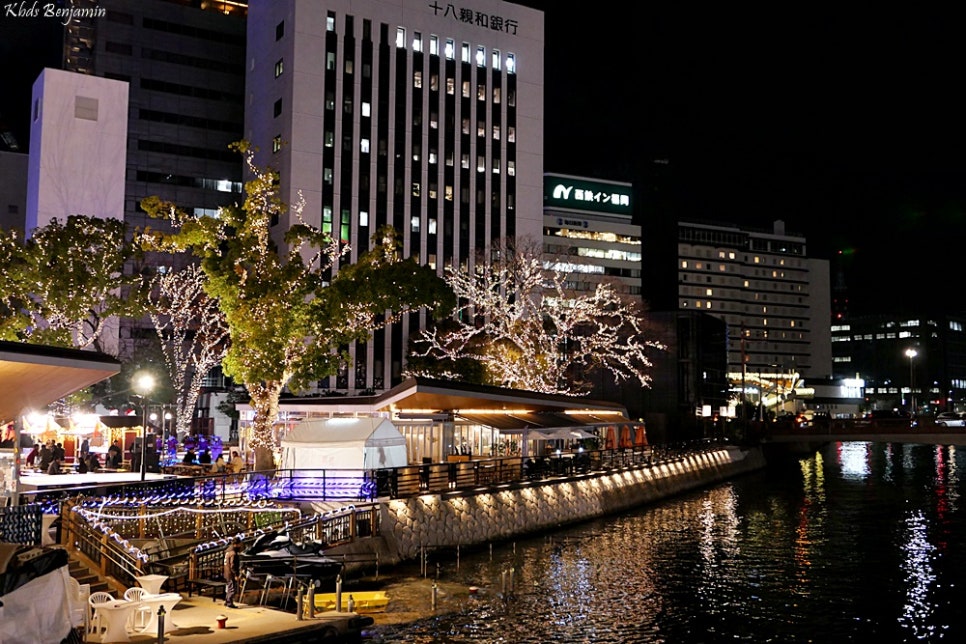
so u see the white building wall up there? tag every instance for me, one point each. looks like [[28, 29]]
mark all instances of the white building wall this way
[[78, 148]]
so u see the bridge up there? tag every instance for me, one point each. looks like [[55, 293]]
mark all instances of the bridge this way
[[890, 430]]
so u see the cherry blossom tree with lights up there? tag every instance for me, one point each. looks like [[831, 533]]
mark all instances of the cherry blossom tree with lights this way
[[193, 332], [290, 314], [520, 322]]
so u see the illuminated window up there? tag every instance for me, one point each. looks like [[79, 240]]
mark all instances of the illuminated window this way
[[400, 37], [511, 63], [465, 49], [434, 45], [417, 41], [450, 86], [450, 49], [364, 146], [279, 67], [431, 227], [414, 224], [709, 292], [511, 168], [277, 143], [330, 60], [366, 108], [417, 78], [330, 21], [495, 59], [684, 263], [480, 56], [481, 163], [363, 218]]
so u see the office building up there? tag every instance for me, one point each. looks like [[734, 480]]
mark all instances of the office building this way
[[424, 116], [909, 363]]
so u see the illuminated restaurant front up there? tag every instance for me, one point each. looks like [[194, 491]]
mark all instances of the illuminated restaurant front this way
[[444, 420]]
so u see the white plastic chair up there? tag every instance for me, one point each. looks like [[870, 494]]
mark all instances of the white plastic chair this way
[[80, 609], [141, 615], [100, 597]]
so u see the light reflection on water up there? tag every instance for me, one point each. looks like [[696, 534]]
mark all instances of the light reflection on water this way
[[860, 541]]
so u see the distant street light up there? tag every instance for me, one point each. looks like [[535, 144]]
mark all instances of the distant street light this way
[[143, 385], [912, 353]]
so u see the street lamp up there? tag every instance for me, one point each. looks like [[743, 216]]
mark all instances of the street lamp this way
[[143, 385], [912, 353]]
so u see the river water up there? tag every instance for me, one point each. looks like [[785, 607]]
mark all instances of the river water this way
[[858, 542]]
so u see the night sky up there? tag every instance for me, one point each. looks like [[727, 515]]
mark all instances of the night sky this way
[[847, 126]]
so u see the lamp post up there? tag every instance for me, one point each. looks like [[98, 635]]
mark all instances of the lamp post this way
[[143, 385], [912, 353]]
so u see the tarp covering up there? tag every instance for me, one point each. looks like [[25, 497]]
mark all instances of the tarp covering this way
[[345, 444]]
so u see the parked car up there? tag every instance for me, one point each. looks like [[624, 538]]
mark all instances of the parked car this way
[[950, 419]]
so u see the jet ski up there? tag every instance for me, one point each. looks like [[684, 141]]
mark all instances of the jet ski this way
[[276, 554]]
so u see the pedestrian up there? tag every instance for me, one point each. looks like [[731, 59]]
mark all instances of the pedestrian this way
[[232, 571], [85, 448], [54, 467]]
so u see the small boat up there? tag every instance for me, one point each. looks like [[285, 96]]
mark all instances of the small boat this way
[[276, 554], [364, 601]]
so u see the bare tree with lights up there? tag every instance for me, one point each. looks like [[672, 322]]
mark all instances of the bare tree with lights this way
[[518, 319], [193, 333], [289, 317]]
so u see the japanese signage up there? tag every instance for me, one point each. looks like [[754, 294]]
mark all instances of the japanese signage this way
[[565, 192], [479, 18]]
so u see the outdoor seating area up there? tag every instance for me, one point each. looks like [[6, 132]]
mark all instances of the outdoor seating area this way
[[116, 619]]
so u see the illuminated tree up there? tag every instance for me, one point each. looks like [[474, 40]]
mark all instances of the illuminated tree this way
[[72, 281], [193, 334], [13, 317], [518, 320], [289, 317]]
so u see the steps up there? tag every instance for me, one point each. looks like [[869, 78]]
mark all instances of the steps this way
[[85, 575]]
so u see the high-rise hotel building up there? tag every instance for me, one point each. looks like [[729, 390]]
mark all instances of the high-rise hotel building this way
[[426, 116], [774, 298]]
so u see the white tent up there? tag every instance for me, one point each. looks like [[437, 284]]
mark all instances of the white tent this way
[[363, 443]]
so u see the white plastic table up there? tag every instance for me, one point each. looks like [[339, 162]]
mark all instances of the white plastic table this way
[[114, 616], [154, 603], [152, 583]]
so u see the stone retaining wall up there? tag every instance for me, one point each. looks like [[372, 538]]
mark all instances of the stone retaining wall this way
[[407, 525]]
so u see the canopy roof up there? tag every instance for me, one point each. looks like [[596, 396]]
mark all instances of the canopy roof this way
[[344, 443], [33, 376]]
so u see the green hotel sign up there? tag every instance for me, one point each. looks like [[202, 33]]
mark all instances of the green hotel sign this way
[[580, 194]]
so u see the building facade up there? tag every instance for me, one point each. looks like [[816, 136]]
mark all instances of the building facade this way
[[183, 63], [908, 363], [426, 117], [589, 233]]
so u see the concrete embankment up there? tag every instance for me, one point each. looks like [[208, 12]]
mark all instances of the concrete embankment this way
[[466, 519]]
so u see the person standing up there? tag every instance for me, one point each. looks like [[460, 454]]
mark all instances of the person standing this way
[[232, 572], [85, 448]]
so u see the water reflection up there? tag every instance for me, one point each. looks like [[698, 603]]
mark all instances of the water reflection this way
[[860, 541]]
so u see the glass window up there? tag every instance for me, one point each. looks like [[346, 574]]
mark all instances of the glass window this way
[[417, 78], [277, 143], [450, 49], [414, 224], [277, 108], [330, 21], [466, 52], [480, 56], [511, 63], [364, 146], [417, 41], [363, 218], [400, 37], [278, 67], [366, 107], [330, 60], [279, 30], [434, 45], [495, 59]]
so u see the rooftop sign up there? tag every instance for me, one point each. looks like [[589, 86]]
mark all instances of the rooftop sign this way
[[583, 194]]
